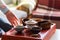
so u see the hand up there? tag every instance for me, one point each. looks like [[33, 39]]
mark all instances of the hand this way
[[13, 20]]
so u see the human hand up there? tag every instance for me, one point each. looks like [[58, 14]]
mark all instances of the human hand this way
[[12, 18]]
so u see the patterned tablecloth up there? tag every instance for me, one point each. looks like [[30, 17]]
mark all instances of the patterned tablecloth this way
[[44, 12]]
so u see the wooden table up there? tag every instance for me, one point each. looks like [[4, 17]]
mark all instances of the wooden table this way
[[55, 36], [44, 35]]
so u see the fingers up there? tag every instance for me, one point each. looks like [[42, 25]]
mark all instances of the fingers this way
[[15, 23]]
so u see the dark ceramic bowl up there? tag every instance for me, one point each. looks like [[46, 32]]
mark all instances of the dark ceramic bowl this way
[[44, 24], [19, 29], [35, 30]]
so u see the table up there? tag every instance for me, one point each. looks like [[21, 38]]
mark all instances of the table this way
[[45, 35], [56, 36]]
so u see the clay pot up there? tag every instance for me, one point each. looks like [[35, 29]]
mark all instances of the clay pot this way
[[44, 24], [35, 30]]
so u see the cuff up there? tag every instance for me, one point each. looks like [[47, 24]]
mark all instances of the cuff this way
[[4, 10]]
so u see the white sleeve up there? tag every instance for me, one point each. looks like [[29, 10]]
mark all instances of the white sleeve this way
[[20, 14], [30, 4]]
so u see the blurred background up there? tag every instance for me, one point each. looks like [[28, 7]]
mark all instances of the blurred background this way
[[45, 7], [11, 3]]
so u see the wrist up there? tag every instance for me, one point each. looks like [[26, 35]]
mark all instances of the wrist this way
[[4, 10]]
